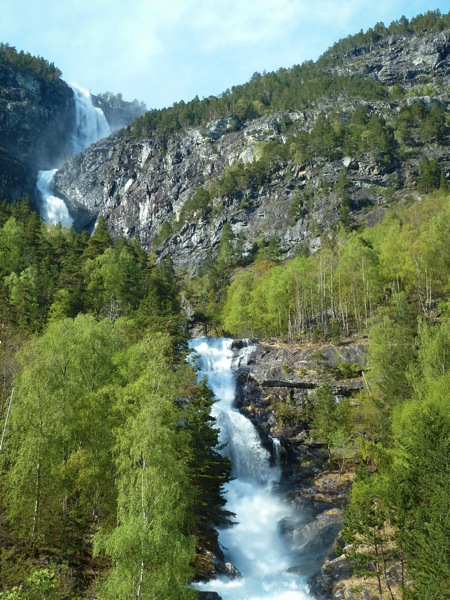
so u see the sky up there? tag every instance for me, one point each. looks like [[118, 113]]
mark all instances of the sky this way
[[163, 51]]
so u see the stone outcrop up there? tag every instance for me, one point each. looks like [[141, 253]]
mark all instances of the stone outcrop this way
[[274, 386], [140, 186], [37, 121], [403, 59], [289, 373], [36, 124]]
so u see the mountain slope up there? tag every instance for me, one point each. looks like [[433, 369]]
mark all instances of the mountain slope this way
[[355, 137]]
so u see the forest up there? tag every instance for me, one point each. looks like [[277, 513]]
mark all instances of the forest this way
[[108, 454], [389, 285], [287, 89], [111, 474], [27, 63]]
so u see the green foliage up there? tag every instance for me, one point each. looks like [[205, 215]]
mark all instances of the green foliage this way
[[50, 273], [432, 20], [391, 350], [337, 290], [365, 523], [328, 420], [287, 89], [429, 175], [103, 407], [26, 63], [60, 465], [420, 490], [99, 241], [196, 207], [41, 584], [401, 512], [149, 547], [206, 292]]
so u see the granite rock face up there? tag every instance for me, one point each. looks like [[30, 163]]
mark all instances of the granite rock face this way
[[141, 186], [138, 187]]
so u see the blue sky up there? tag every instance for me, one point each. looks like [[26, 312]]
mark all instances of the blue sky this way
[[162, 51]]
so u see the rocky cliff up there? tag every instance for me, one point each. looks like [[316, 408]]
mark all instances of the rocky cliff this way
[[36, 123], [142, 185]]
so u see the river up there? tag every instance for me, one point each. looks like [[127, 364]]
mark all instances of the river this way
[[255, 545]]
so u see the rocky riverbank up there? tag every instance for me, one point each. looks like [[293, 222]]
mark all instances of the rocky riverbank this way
[[274, 391]]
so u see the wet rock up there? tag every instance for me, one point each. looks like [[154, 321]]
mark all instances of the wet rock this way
[[209, 565]]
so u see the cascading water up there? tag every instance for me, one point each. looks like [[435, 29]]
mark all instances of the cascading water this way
[[90, 126], [52, 208], [254, 545], [91, 123]]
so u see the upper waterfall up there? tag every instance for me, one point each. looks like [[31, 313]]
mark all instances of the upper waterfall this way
[[90, 126]]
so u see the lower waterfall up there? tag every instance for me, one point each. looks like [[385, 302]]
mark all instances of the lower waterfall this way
[[254, 545]]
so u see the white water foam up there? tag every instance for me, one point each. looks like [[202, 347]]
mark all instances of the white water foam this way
[[91, 123], [255, 546], [52, 208]]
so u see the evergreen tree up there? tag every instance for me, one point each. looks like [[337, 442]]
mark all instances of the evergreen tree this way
[[99, 241]]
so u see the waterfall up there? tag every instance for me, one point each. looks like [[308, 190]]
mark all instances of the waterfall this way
[[276, 445], [52, 208], [254, 545], [90, 126]]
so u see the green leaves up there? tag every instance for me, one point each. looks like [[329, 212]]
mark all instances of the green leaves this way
[[61, 426], [114, 438], [150, 547]]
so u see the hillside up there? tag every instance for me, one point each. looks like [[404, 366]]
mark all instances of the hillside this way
[[337, 142], [38, 119]]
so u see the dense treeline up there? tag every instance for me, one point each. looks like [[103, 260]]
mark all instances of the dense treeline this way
[[24, 61], [108, 452], [398, 514], [432, 20], [52, 273], [334, 292], [286, 89]]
